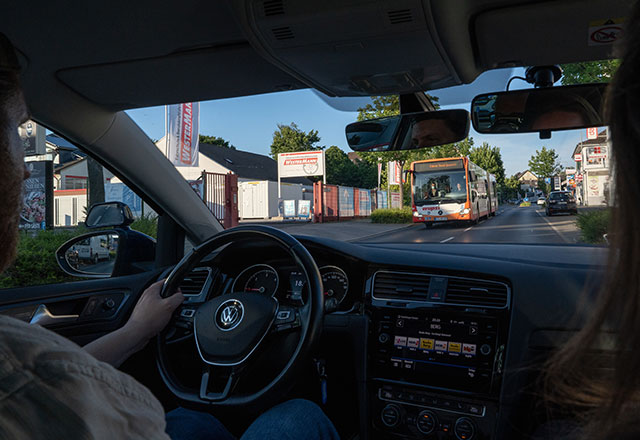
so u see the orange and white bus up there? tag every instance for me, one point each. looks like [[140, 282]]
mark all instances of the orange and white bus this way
[[451, 189]]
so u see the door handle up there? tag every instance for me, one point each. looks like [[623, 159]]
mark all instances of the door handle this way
[[42, 316]]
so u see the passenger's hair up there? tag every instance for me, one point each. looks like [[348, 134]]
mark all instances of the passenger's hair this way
[[602, 390]]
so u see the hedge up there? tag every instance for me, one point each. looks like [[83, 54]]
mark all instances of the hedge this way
[[593, 225], [403, 215]]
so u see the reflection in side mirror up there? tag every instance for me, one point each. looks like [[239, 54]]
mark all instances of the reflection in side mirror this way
[[93, 254], [539, 110], [110, 214], [409, 131]]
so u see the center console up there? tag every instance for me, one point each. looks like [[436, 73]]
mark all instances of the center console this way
[[435, 355]]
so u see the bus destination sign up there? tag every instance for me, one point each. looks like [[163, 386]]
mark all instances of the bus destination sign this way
[[438, 166]]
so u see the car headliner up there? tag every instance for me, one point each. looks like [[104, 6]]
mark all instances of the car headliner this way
[[84, 62]]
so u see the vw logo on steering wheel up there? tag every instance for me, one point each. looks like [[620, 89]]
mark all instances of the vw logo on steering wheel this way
[[229, 315]]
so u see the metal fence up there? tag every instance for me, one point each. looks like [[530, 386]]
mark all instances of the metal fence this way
[[220, 194], [334, 203]]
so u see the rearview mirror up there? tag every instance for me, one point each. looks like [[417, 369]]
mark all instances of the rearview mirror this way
[[90, 255], [539, 110], [110, 214], [409, 131]]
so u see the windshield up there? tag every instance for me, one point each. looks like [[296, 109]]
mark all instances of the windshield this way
[[295, 171], [440, 187]]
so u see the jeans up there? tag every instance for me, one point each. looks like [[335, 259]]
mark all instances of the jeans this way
[[291, 420]]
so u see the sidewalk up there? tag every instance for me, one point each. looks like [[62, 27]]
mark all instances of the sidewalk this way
[[345, 231]]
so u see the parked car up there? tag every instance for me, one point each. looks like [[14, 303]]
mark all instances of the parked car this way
[[541, 201], [92, 250], [561, 201]]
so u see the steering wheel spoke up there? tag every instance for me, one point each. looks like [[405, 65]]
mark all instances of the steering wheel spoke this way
[[180, 327], [287, 319], [207, 381]]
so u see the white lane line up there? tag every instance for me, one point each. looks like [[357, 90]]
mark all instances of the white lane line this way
[[556, 230], [468, 229], [447, 239]]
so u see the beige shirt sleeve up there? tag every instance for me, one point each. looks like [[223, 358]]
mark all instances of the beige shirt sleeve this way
[[50, 388]]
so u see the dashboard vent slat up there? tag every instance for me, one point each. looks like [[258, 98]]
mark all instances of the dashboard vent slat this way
[[399, 285], [400, 16], [273, 7], [194, 281], [283, 33], [476, 292]]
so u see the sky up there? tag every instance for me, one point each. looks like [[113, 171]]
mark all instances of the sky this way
[[249, 122]]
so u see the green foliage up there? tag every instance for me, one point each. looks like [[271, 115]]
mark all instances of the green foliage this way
[[36, 261], [215, 140], [290, 138], [510, 188], [589, 72], [147, 224], [342, 171], [525, 204], [490, 159], [544, 164], [403, 215], [380, 107], [593, 225]]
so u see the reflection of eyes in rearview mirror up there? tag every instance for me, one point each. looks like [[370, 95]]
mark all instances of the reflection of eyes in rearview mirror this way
[[539, 110], [409, 131]]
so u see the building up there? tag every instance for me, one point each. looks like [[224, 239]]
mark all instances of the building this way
[[527, 180], [593, 170]]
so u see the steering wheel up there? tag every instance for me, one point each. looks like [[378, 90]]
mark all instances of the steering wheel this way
[[229, 329]]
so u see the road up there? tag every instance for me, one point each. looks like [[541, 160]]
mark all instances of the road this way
[[512, 224]]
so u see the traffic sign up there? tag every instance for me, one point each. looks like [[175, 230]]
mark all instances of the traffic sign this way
[[577, 157]]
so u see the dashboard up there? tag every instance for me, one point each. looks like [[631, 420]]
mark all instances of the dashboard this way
[[443, 342]]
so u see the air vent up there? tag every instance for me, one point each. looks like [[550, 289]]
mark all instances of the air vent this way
[[273, 7], [401, 285], [195, 281], [283, 33], [476, 293], [400, 16]]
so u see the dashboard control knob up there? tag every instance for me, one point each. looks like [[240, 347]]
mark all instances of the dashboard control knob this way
[[426, 422], [383, 338], [485, 349], [391, 415], [464, 429], [108, 304]]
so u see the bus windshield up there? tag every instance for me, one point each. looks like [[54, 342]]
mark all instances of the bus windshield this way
[[439, 186]]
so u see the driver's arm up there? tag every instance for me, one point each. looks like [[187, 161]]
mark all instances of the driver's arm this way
[[150, 315]]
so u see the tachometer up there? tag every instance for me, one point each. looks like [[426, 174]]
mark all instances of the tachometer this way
[[335, 282], [259, 278]]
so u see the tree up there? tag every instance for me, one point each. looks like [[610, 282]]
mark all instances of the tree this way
[[490, 159], [215, 140], [342, 171], [510, 188], [290, 138], [545, 164], [589, 72], [95, 181]]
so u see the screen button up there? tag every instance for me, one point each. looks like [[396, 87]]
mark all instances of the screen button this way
[[400, 341], [473, 330], [426, 344], [441, 345], [469, 349], [413, 342], [455, 347]]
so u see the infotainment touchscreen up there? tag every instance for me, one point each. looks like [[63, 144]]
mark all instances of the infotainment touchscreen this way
[[438, 350]]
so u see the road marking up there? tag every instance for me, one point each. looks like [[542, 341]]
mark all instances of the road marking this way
[[468, 229], [556, 230], [447, 239]]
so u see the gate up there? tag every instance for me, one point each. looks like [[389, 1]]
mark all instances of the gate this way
[[220, 194]]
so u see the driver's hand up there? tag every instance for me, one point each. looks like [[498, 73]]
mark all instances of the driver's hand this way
[[152, 313]]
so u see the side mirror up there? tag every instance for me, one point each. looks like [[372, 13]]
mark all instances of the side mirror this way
[[102, 254], [409, 131], [109, 215]]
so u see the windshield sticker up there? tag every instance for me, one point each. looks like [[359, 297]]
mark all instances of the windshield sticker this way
[[605, 31]]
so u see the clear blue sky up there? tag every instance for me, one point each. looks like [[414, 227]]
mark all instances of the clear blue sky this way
[[249, 123]]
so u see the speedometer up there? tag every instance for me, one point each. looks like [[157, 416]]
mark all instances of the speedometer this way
[[335, 282], [259, 278]]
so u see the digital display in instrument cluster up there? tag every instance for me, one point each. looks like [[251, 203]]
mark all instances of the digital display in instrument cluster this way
[[297, 281]]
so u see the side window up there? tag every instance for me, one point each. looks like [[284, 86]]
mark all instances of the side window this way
[[56, 199]]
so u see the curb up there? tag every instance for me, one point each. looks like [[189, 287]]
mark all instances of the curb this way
[[378, 234]]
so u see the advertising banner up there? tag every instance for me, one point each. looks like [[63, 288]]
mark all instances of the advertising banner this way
[[37, 211], [395, 175], [182, 134], [289, 208], [301, 164], [119, 192], [592, 133], [577, 157], [33, 138], [304, 208]]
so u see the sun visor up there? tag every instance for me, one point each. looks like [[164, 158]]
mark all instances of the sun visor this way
[[350, 47], [549, 33]]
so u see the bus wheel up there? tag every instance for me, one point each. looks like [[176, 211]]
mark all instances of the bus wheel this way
[[427, 225]]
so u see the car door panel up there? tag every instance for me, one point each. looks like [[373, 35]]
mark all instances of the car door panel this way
[[80, 310]]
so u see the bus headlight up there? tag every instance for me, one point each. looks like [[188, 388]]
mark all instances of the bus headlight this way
[[464, 211], [416, 214]]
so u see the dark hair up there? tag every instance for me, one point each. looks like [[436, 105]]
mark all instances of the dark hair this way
[[543, 101], [603, 391]]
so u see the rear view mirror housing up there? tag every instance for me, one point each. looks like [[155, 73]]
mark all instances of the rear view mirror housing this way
[[539, 110], [409, 131], [109, 214]]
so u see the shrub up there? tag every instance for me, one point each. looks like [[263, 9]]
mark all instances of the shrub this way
[[403, 215], [36, 260], [593, 225], [525, 204], [147, 224]]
